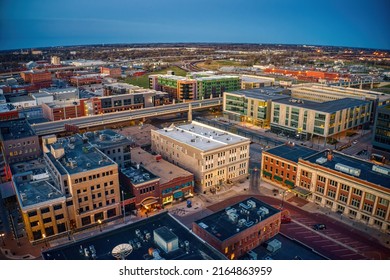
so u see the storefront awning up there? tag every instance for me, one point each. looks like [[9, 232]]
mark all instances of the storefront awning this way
[[149, 201], [276, 177], [266, 173], [301, 191], [178, 194], [289, 183]]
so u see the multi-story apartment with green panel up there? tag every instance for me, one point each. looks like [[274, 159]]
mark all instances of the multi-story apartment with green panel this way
[[251, 106], [184, 88], [304, 119]]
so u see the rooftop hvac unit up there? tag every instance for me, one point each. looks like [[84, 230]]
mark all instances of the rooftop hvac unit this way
[[381, 170], [347, 169], [241, 222], [233, 217], [321, 160], [251, 203], [264, 209]]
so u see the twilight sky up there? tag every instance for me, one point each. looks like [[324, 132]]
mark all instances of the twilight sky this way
[[44, 23]]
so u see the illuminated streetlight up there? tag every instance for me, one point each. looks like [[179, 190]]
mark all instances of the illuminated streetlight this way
[[283, 194], [2, 237], [44, 238], [100, 224]]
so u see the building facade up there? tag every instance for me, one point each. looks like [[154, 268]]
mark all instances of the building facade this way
[[214, 156], [354, 188], [239, 228], [381, 132], [18, 141], [251, 106], [307, 119], [111, 71]]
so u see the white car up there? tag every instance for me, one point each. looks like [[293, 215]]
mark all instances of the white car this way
[[354, 142]]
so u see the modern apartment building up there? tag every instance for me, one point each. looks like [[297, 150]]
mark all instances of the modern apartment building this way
[[183, 88], [239, 228], [252, 105], [355, 188], [381, 132], [307, 119], [214, 156]]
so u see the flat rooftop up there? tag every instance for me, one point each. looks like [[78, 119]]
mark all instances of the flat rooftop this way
[[58, 90], [354, 167], [105, 242], [79, 155], [291, 152], [264, 93], [106, 139], [290, 250], [33, 184], [327, 107], [15, 129], [201, 136], [138, 174], [222, 226], [7, 108], [161, 168], [21, 98]]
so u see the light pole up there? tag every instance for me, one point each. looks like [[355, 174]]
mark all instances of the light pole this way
[[283, 194], [100, 224], [44, 238], [2, 237], [123, 206]]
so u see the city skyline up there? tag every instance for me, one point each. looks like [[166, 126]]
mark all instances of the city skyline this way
[[42, 23]]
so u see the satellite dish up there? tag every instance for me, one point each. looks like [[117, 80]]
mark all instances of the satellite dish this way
[[121, 251]]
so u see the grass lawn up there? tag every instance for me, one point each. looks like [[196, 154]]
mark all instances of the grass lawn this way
[[143, 81], [216, 64]]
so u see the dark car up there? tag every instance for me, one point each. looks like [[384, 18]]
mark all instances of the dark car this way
[[319, 226]]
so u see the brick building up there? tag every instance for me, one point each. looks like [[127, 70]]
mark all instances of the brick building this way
[[239, 228], [111, 71]]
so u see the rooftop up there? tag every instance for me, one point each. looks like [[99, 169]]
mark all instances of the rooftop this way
[[15, 129], [21, 98], [328, 106], [74, 154], [138, 174], [161, 168], [201, 136], [226, 223], [265, 93], [291, 152], [6, 108], [107, 138], [190, 246], [33, 183], [354, 167], [58, 90]]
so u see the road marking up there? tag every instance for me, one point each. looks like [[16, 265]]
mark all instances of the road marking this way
[[325, 236]]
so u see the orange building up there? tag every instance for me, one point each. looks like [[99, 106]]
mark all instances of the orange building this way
[[34, 77]]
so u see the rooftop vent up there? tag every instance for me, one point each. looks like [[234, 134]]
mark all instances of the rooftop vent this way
[[347, 169], [321, 160], [381, 170]]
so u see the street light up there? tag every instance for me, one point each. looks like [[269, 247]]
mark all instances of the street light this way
[[2, 237], [283, 194], [100, 225], [44, 238]]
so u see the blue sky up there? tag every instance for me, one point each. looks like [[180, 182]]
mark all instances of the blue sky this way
[[44, 23]]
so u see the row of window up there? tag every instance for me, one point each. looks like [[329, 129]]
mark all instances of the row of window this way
[[93, 177]]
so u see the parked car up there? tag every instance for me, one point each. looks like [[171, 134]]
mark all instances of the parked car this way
[[319, 226]]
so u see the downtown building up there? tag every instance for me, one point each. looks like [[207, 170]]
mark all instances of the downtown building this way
[[186, 88], [381, 134], [214, 156], [73, 187], [237, 229], [352, 187], [252, 105]]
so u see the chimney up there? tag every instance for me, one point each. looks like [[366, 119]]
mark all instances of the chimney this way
[[330, 155]]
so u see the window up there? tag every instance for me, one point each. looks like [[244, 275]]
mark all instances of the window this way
[[352, 213], [357, 192], [378, 223], [320, 189], [355, 202], [321, 178], [57, 207], [343, 198], [59, 217], [33, 224], [47, 220], [383, 201], [331, 193], [69, 203], [32, 213], [380, 212], [45, 210], [329, 203], [370, 197], [340, 208], [333, 183], [318, 199], [367, 207], [365, 218], [345, 187]]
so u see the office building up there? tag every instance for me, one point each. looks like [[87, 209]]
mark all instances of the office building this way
[[55, 60], [68, 93], [251, 106], [355, 188], [175, 183], [306, 119], [381, 132], [214, 156], [279, 165], [239, 228], [18, 141]]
